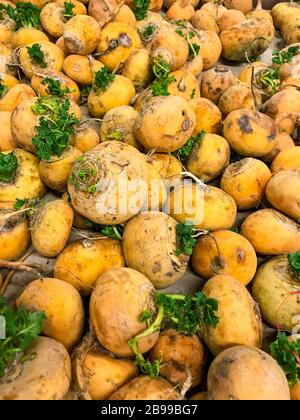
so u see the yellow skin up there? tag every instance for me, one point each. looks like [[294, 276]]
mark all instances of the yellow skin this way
[[264, 224], [210, 47], [138, 68], [125, 15], [15, 96], [7, 140], [51, 227], [174, 119], [27, 183], [55, 173], [282, 142], [130, 41], [85, 138], [209, 158], [24, 36], [185, 85], [83, 261], [167, 165], [155, 234], [179, 353], [38, 3], [230, 18], [203, 20], [53, 55], [103, 10], [14, 239], [6, 59], [246, 182], [239, 96], [244, 6], [246, 373], [78, 221], [239, 318], [225, 252], [44, 355], [216, 81], [99, 375], [61, 44], [171, 47], [250, 134], [195, 65], [6, 31], [246, 72], [62, 305], [282, 11], [65, 82], [118, 124], [208, 116], [181, 9], [283, 192], [157, 194], [81, 34], [131, 290], [288, 159], [8, 80], [119, 92], [81, 69]]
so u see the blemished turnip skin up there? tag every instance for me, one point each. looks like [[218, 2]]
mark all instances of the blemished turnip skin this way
[[275, 288], [147, 389], [239, 317], [154, 235], [216, 81], [131, 292], [81, 34], [114, 165], [282, 11], [81, 68], [181, 356], [138, 69], [62, 306], [246, 373], [202, 19], [282, 142], [44, 375]]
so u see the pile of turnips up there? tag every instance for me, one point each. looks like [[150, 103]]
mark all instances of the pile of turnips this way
[[159, 160]]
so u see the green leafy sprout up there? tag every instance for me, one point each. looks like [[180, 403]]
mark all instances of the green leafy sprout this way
[[282, 57], [185, 238], [103, 78], [141, 8], [3, 88], [113, 232], [54, 87], [56, 125], [8, 167], [160, 85], [294, 262], [184, 152], [147, 32], [26, 15], [186, 313], [287, 354], [270, 78], [21, 329], [36, 55], [194, 48], [29, 205], [115, 135], [68, 10]]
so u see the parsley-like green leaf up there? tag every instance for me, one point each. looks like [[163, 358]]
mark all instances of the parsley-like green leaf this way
[[8, 166], [287, 354], [160, 85], [141, 8], [30, 205], [103, 78], [3, 88], [185, 240], [26, 15], [147, 32], [21, 329], [184, 152], [234, 229], [68, 10], [54, 87], [270, 78], [282, 57], [36, 55], [145, 316], [294, 261], [113, 232]]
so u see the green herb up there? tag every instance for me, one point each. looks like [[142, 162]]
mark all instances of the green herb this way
[[30, 205], [21, 329], [141, 8], [294, 261], [184, 152], [145, 316], [181, 22], [193, 93], [8, 166], [103, 78], [68, 10], [194, 48], [185, 313], [26, 15], [36, 55], [147, 32], [114, 135], [84, 92], [282, 57], [185, 239], [160, 85], [113, 232], [270, 78], [3, 88], [287, 354], [54, 87], [56, 125], [234, 229]]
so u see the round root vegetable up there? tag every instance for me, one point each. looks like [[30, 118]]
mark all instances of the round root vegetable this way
[[167, 165], [45, 373], [246, 182], [53, 58], [244, 6], [15, 96], [51, 226], [239, 317], [117, 42], [103, 10], [62, 306], [137, 68], [118, 124], [181, 9], [25, 36], [264, 224], [182, 357], [250, 134], [98, 375], [131, 291], [216, 81], [8, 80], [230, 18], [81, 34], [224, 252], [119, 92], [55, 172], [23, 123], [61, 44], [85, 138], [154, 235], [146, 388], [174, 121], [185, 85], [7, 140], [246, 373], [41, 86], [276, 289], [282, 141], [238, 96], [202, 19], [209, 158], [210, 47], [282, 11], [81, 69], [79, 221], [283, 192], [125, 15], [194, 65], [214, 9], [245, 75], [288, 159], [114, 185], [83, 261], [14, 232], [25, 182]]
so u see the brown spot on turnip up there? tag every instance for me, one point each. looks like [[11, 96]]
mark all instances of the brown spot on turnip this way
[[244, 125], [240, 255]]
